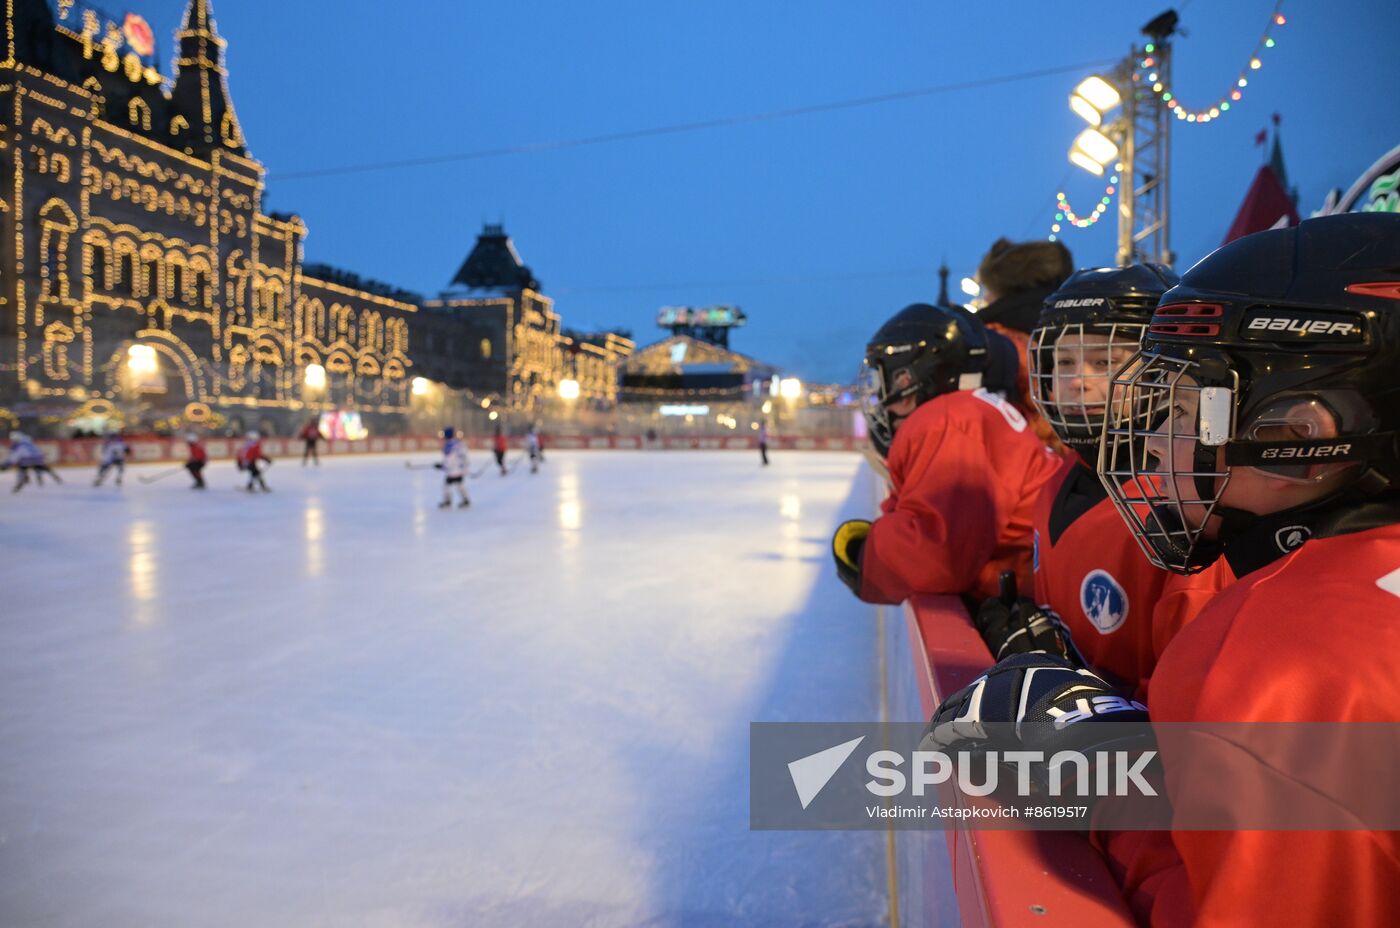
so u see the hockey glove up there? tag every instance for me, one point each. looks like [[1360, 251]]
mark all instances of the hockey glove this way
[[1035, 701], [1042, 703], [846, 547], [1023, 627]]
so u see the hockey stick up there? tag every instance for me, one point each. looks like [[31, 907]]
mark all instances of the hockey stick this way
[[479, 471], [160, 476], [510, 468], [412, 466]]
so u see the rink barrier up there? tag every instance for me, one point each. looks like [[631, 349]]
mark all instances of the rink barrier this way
[[80, 451], [1001, 878]]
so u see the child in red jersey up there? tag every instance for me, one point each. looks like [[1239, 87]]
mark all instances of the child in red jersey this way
[[964, 467], [250, 456], [196, 459], [1119, 609], [1258, 424]]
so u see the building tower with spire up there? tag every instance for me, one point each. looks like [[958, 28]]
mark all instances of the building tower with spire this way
[[203, 118]]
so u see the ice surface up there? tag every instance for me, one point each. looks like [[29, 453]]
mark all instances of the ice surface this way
[[338, 705]]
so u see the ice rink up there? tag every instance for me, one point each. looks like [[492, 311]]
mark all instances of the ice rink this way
[[336, 704]]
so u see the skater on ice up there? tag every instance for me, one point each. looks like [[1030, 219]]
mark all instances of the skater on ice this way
[[250, 455], [112, 456], [311, 435], [763, 442], [498, 448], [26, 457], [533, 448], [454, 469], [196, 458]]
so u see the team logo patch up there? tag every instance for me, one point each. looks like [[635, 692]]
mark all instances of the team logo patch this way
[[1103, 600], [1291, 537]]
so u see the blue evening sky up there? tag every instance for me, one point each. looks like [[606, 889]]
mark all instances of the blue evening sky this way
[[819, 226]]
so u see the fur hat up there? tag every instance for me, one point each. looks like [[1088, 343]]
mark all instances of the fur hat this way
[[1010, 267]]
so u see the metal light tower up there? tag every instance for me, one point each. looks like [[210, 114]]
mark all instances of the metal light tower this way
[[1144, 200], [1136, 142]]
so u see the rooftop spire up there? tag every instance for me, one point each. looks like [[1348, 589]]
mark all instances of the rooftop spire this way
[[201, 88]]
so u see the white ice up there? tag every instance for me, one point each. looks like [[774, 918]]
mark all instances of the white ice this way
[[337, 705]]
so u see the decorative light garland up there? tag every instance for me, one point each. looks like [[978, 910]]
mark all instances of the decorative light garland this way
[[1147, 73], [1065, 213]]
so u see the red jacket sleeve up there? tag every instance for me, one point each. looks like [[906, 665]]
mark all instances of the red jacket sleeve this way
[[940, 521]]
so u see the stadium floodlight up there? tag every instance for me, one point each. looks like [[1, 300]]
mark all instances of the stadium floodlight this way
[[1093, 98], [970, 286], [314, 376], [421, 386], [1093, 146], [790, 388], [568, 389], [1084, 161]]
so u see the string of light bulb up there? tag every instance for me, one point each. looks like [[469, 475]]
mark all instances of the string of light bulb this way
[[1146, 73], [1064, 213]]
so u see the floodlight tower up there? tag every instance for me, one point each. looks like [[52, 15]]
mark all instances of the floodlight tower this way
[[1130, 131]]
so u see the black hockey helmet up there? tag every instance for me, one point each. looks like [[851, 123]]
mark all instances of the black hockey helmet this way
[[923, 351], [1259, 338], [1107, 308]]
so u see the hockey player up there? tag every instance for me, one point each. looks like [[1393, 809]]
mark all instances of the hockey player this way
[[311, 435], [532, 448], [1119, 609], [498, 448], [113, 454], [763, 442], [964, 468], [250, 455], [454, 468], [196, 459], [27, 458], [1267, 392]]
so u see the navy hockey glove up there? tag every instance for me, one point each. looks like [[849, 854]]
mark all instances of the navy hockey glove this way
[[1023, 627], [1034, 702], [846, 547]]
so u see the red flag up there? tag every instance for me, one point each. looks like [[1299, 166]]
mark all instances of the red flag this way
[[1262, 137]]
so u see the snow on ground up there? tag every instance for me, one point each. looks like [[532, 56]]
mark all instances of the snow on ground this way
[[336, 705]]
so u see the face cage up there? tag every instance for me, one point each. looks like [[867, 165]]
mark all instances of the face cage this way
[[1162, 478], [1077, 425], [871, 391]]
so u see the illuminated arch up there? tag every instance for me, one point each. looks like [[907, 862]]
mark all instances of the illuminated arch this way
[[138, 113], [58, 222], [57, 338]]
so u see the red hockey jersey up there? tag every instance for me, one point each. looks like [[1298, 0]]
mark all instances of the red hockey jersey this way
[[1308, 637], [1121, 610], [964, 471]]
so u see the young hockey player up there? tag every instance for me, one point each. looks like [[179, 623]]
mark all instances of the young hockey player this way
[[763, 442], [1267, 395], [311, 435], [964, 468], [196, 459], [532, 447], [250, 455], [454, 468], [1119, 609], [112, 455], [27, 458], [498, 448]]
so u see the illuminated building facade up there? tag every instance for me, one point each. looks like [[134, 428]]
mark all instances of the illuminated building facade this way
[[142, 283], [496, 317]]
